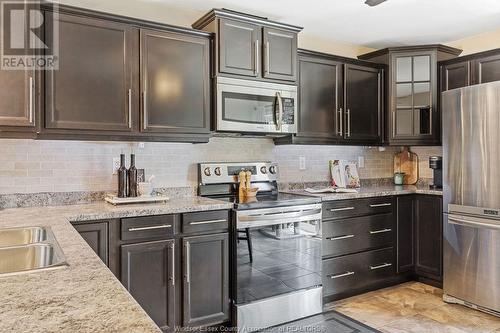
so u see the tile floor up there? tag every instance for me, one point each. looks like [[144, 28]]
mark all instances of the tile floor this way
[[414, 307]]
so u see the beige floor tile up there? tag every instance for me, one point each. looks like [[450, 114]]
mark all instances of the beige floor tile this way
[[410, 301], [425, 288], [419, 324], [464, 318]]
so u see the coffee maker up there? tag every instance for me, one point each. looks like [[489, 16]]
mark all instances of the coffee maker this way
[[436, 164]]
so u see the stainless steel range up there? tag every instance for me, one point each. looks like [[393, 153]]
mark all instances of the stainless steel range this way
[[276, 245]]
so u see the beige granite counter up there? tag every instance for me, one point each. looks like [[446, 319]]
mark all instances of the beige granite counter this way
[[84, 296], [373, 191]]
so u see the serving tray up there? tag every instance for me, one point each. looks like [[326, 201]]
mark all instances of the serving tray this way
[[114, 200]]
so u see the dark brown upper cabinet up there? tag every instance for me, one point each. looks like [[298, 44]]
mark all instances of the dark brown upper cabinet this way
[[280, 54], [340, 101], [175, 83], [412, 116], [363, 103], [320, 98], [251, 46], [474, 68], [95, 88]]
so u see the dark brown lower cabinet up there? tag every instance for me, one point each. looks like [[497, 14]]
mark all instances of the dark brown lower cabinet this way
[[206, 280], [96, 235], [429, 237], [405, 223], [147, 272]]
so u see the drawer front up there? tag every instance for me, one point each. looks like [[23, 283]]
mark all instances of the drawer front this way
[[148, 227], [205, 221], [357, 234], [359, 270], [357, 207]]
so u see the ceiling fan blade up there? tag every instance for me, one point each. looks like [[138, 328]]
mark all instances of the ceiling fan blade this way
[[373, 3]]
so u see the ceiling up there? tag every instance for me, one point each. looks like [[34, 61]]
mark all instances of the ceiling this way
[[392, 23]]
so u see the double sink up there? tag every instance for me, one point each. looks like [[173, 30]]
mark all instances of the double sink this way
[[29, 249]]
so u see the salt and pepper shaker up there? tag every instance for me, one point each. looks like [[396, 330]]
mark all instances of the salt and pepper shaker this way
[[132, 177], [122, 178]]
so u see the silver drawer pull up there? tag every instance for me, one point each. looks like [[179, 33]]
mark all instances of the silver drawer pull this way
[[341, 275], [341, 209], [340, 237], [380, 266], [380, 231], [208, 222], [163, 226], [381, 205]]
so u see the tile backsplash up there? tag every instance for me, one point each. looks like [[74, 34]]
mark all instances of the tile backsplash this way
[[28, 166]]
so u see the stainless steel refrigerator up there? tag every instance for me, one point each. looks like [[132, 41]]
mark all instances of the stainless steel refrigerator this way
[[471, 190]]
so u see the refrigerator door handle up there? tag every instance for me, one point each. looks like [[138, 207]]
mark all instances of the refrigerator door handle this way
[[473, 222]]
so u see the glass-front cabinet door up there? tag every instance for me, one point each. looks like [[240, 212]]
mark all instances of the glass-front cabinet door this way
[[413, 79]]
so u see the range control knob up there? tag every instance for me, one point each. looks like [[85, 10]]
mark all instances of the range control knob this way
[[207, 172], [217, 171], [272, 169], [263, 170]]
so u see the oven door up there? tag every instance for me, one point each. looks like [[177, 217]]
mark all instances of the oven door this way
[[255, 107]]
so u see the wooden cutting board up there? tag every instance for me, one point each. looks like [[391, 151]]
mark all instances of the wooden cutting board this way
[[407, 162]]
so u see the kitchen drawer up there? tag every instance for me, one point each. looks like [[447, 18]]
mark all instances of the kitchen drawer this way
[[148, 227], [357, 207], [357, 234], [346, 273], [205, 221]]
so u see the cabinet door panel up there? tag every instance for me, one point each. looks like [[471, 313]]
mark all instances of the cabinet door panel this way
[[96, 235], [239, 48], [90, 90], [206, 280], [486, 69], [428, 233], [363, 103], [175, 83], [320, 92], [280, 54], [405, 228], [17, 103], [147, 272], [455, 76]]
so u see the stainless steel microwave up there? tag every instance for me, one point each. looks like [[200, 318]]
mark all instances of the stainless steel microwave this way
[[247, 106]]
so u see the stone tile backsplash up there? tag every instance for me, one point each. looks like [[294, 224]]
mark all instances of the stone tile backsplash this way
[[28, 166]]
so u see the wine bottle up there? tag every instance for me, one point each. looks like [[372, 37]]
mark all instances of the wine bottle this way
[[132, 177], [122, 178]]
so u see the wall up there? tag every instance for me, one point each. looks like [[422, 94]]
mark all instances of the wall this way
[[482, 42]]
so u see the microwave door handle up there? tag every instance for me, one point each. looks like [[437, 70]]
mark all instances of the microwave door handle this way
[[279, 121]]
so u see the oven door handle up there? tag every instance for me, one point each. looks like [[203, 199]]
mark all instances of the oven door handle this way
[[279, 216]]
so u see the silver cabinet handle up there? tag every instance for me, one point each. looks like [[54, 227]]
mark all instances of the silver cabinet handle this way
[[129, 108], [172, 247], [348, 123], [280, 111], [380, 205], [340, 132], [257, 57], [340, 237], [163, 226], [31, 100], [144, 111], [268, 58], [188, 262], [208, 222], [341, 275], [380, 231], [380, 266], [341, 209]]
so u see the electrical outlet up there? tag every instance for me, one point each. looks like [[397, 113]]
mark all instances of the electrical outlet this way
[[116, 165], [361, 162], [141, 145], [302, 163]]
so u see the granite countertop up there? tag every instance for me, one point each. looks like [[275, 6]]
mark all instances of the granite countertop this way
[[372, 191], [84, 296]]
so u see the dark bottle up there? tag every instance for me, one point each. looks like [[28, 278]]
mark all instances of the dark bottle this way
[[122, 178], [132, 177]]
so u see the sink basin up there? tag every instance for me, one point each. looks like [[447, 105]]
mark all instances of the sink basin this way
[[21, 236], [29, 249], [29, 257]]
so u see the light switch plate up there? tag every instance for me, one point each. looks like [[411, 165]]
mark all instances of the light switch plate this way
[[116, 165], [361, 162], [302, 163]]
